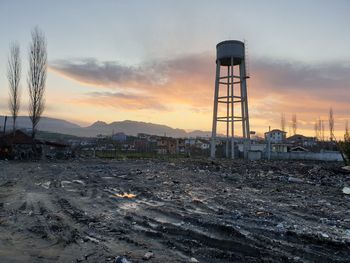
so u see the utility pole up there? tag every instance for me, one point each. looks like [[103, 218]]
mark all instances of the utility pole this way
[[5, 121]]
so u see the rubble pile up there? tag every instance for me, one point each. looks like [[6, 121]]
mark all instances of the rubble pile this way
[[183, 210]]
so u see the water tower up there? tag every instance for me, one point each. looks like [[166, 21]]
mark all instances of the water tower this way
[[230, 97]]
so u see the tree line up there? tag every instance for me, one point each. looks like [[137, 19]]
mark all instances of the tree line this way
[[36, 78], [319, 126]]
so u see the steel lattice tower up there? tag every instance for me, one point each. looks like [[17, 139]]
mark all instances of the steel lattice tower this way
[[230, 62]]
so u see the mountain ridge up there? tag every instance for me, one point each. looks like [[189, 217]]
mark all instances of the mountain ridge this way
[[129, 127]]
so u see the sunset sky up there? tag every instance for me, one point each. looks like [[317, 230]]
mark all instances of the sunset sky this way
[[154, 61]]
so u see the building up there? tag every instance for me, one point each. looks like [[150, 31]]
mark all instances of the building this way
[[181, 146], [298, 149], [202, 144], [301, 140], [142, 145], [119, 137], [19, 146], [144, 136], [279, 147], [275, 136], [166, 145]]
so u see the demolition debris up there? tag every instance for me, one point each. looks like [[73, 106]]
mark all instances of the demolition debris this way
[[179, 211]]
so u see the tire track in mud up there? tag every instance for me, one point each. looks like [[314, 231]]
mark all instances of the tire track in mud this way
[[193, 236], [177, 213], [223, 238]]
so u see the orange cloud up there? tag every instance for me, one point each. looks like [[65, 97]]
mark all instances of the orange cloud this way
[[274, 87]]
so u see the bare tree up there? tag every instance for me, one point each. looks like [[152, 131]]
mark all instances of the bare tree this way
[[294, 123], [322, 129], [347, 134], [283, 122], [317, 131], [37, 77], [14, 69], [331, 124]]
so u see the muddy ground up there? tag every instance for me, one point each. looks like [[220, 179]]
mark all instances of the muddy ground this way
[[183, 210]]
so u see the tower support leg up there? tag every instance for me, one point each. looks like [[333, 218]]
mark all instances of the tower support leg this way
[[232, 110], [215, 112]]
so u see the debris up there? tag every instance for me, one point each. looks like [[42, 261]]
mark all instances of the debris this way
[[347, 233], [280, 225], [295, 180], [174, 209], [78, 182], [347, 168], [148, 255], [324, 235], [46, 185], [121, 260], [64, 183], [263, 213], [92, 239], [346, 190]]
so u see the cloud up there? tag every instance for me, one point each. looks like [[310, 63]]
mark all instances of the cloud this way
[[182, 80], [275, 86], [106, 73], [299, 75], [121, 100], [113, 74]]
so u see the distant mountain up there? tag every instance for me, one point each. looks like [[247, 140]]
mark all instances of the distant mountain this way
[[99, 127], [134, 127], [198, 133], [45, 124]]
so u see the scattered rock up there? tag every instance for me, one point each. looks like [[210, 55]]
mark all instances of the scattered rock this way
[[324, 235], [121, 260], [233, 176], [346, 168], [46, 185], [280, 226], [173, 205], [92, 239], [65, 183], [295, 180], [346, 190], [148, 255], [270, 172], [347, 233], [78, 182]]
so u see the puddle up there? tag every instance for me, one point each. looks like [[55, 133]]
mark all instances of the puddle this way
[[125, 195]]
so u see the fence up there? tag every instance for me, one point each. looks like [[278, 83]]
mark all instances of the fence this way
[[321, 156]]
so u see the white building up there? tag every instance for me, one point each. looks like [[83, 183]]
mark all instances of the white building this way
[[275, 136]]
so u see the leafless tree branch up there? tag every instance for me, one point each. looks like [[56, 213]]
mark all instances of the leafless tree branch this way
[[283, 122], [331, 124], [37, 77], [14, 69], [294, 124]]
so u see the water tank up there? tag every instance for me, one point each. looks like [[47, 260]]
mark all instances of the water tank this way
[[228, 49]]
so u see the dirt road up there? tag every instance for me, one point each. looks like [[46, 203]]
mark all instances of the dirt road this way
[[182, 210]]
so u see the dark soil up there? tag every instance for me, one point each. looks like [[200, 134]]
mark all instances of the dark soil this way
[[220, 211]]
